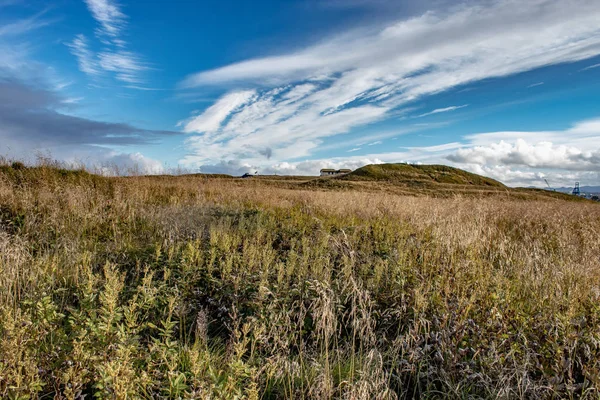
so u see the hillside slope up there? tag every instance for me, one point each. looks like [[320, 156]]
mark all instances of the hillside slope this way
[[427, 180], [419, 175]]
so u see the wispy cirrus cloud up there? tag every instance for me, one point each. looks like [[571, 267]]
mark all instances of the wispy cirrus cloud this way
[[124, 65], [508, 40], [590, 67], [535, 84], [109, 15], [16, 45], [86, 58], [442, 110], [368, 75], [26, 25], [213, 117]]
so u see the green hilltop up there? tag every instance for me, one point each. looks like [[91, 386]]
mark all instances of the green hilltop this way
[[419, 174]]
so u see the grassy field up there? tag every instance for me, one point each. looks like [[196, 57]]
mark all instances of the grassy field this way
[[219, 288]]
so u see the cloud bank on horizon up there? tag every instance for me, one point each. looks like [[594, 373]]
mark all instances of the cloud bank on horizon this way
[[429, 88]]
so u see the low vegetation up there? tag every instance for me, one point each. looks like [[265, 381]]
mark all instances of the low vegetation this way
[[412, 174], [198, 288], [438, 181]]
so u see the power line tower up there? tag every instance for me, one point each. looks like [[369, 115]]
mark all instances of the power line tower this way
[[576, 190]]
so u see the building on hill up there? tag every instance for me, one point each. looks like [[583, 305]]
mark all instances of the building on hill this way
[[331, 171]]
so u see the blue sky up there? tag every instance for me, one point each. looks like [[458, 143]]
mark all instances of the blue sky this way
[[505, 88]]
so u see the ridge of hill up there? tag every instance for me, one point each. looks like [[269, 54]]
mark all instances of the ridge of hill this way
[[401, 179], [419, 175], [583, 189]]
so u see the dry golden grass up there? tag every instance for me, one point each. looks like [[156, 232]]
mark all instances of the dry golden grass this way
[[188, 287]]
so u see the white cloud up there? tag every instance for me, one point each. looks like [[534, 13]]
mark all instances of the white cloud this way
[[492, 39], [126, 66], [367, 75], [104, 161], [72, 100], [14, 57], [146, 89], [16, 49], [312, 167], [211, 119], [526, 177], [535, 84], [535, 155], [95, 158], [299, 92], [584, 134], [524, 158], [243, 125], [304, 168], [443, 110], [108, 15], [23, 26], [591, 67], [85, 57], [438, 148], [576, 148], [114, 163]]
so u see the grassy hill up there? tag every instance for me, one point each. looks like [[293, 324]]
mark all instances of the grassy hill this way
[[426, 180], [420, 175]]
